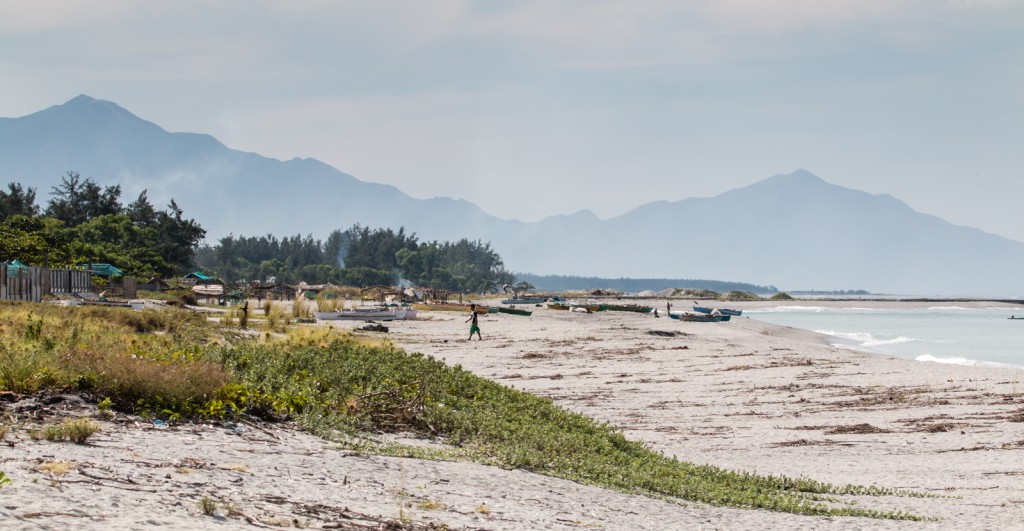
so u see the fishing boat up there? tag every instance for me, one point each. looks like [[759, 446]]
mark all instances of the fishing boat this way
[[636, 308], [451, 307], [515, 311], [698, 317], [588, 307], [723, 311], [558, 306], [362, 314], [525, 300]]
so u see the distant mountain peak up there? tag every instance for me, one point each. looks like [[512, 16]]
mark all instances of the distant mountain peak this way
[[80, 100], [800, 176]]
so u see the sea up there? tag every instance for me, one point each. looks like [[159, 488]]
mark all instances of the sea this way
[[937, 334]]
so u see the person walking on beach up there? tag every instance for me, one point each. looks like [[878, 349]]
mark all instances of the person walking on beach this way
[[475, 327]]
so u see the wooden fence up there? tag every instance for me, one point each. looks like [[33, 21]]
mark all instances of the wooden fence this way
[[33, 283]]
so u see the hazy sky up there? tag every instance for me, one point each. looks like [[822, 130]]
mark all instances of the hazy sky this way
[[534, 108]]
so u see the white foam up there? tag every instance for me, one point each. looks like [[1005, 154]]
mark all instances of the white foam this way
[[953, 360], [866, 339], [787, 309]]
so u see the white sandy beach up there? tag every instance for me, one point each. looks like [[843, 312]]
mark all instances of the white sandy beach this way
[[741, 395]]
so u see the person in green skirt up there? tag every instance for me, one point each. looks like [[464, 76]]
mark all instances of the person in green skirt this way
[[475, 327]]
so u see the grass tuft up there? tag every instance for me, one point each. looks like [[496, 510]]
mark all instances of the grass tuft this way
[[207, 505], [75, 430]]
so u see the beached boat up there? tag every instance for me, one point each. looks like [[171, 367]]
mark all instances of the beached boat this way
[[637, 308], [362, 314], [525, 300], [576, 306], [451, 307], [515, 311], [723, 311], [698, 317]]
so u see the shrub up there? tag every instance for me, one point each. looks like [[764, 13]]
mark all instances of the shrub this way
[[740, 296]]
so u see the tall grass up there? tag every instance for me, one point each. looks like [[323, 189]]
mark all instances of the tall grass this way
[[143, 361]]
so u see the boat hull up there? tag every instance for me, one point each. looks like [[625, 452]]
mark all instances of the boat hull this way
[[362, 315], [698, 317], [723, 311], [636, 308], [515, 311], [450, 308]]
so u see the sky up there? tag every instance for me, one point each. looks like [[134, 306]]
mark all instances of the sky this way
[[537, 108]]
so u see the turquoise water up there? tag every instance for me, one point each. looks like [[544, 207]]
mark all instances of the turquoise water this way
[[943, 334]]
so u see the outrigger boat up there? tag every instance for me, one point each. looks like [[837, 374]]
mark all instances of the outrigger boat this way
[[446, 307], [363, 314], [525, 300], [723, 311], [636, 308], [577, 306], [515, 311], [698, 317]]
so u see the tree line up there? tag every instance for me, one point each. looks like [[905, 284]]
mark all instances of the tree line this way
[[635, 285], [359, 256], [85, 222]]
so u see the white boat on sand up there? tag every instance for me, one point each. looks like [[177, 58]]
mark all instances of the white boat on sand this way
[[363, 314]]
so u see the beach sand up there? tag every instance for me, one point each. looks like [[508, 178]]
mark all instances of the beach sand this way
[[742, 395]]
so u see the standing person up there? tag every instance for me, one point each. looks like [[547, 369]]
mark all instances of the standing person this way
[[475, 327]]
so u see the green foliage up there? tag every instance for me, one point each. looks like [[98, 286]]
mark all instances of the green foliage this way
[[634, 285], [35, 241], [87, 222], [740, 296], [4, 479], [18, 201], [116, 239], [76, 201], [781, 296], [342, 388], [371, 257]]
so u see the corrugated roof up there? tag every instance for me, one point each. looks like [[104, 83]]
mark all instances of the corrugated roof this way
[[104, 270]]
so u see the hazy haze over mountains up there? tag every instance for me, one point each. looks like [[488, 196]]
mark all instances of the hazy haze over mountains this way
[[794, 231]]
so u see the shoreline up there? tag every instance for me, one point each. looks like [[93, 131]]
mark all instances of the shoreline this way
[[743, 395]]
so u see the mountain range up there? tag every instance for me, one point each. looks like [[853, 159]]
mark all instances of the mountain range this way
[[794, 231]]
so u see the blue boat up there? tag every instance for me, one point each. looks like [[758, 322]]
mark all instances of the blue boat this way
[[723, 311]]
